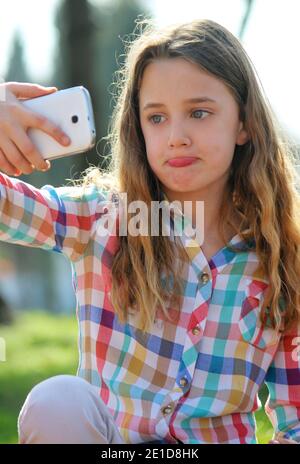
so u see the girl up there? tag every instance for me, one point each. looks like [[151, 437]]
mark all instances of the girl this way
[[176, 336]]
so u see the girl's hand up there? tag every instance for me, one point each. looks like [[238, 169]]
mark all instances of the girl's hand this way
[[283, 441], [17, 153]]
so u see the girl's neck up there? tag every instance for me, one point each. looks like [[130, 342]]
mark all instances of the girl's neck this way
[[212, 202]]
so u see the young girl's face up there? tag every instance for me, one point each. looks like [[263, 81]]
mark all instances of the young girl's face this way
[[203, 134]]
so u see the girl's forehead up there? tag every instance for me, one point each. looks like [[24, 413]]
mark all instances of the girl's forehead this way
[[160, 65], [177, 77], [179, 71]]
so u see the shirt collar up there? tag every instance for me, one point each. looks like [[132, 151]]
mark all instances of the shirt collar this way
[[181, 224]]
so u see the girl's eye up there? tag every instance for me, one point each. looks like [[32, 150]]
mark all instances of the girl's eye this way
[[201, 112], [156, 118]]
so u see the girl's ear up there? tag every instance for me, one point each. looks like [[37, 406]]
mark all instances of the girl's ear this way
[[242, 136]]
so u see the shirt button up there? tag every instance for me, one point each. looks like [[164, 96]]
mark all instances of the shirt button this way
[[158, 323], [196, 330], [167, 410], [204, 278], [183, 382]]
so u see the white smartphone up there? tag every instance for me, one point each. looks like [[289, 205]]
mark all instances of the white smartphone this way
[[71, 109]]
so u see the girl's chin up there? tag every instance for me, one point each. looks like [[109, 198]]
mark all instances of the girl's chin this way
[[185, 186], [178, 189]]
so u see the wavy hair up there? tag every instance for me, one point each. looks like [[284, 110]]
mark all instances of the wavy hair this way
[[261, 188]]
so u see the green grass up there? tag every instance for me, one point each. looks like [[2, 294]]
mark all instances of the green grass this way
[[40, 345]]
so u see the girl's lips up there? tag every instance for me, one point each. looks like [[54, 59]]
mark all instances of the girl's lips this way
[[181, 162]]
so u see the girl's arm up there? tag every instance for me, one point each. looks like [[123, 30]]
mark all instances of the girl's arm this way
[[58, 219], [283, 382]]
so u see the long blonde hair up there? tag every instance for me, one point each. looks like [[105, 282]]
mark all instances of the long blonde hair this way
[[261, 188]]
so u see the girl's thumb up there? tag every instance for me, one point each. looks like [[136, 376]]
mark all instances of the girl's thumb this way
[[26, 90]]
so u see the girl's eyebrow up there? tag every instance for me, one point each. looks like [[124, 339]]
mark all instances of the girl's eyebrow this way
[[189, 100]]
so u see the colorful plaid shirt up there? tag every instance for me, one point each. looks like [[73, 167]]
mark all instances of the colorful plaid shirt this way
[[194, 379]]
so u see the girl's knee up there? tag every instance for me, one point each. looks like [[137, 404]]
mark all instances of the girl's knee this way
[[55, 390], [66, 409], [51, 403]]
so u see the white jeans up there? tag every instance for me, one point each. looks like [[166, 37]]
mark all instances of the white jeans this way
[[66, 409]]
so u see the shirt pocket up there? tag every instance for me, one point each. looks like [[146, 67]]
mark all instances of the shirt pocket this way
[[251, 329]]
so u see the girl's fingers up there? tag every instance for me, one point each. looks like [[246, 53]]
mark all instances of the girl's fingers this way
[[7, 167], [14, 156], [27, 90], [15, 120], [28, 149], [37, 121]]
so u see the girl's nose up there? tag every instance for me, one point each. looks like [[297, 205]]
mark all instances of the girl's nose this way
[[178, 138]]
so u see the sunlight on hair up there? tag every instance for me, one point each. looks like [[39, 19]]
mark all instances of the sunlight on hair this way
[[297, 167]]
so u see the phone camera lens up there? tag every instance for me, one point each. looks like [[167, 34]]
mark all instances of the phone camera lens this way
[[74, 118]]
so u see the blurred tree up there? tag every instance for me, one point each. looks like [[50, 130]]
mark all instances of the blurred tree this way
[[75, 43], [119, 22], [6, 314], [17, 70], [74, 65], [246, 17], [88, 44]]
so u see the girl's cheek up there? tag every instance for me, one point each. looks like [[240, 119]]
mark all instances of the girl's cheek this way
[[153, 165], [150, 159], [153, 156]]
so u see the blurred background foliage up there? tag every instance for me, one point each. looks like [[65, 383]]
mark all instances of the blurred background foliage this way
[[89, 50]]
